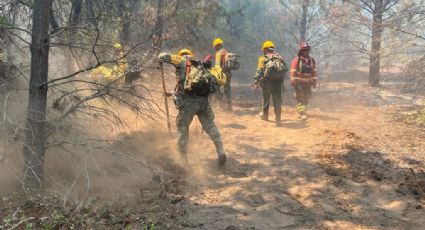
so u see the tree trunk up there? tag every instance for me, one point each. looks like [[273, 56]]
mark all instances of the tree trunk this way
[[75, 12], [53, 23], [35, 135], [159, 26], [125, 35], [73, 56], [303, 23], [375, 53], [90, 12], [126, 22]]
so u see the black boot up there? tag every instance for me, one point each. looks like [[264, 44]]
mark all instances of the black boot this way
[[221, 158], [221, 154], [278, 119], [279, 123]]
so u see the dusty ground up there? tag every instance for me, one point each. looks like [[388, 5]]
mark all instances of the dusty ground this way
[[355, 164], [348, 167]]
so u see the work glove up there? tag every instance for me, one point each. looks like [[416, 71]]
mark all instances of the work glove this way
[[255, 85]]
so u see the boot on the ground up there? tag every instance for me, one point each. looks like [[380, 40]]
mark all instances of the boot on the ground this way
[[278, 119], [221, 158], [221, 154], [278, 123], [264, 116]]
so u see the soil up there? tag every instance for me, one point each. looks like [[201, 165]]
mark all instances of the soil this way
[[354, 164]]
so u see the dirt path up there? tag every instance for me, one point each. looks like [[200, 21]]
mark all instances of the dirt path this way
[[355, 164], [347, 167]]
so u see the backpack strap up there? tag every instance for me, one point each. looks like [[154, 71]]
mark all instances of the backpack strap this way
[[188, 67], [299, 64]]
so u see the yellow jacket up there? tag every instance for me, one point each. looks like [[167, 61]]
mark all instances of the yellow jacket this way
[[111, 73], [259, 74], [180, 63], [219, 58], [219, 75]]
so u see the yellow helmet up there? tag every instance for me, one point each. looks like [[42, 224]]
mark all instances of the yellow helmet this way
[[117, 46], [217, 41], [185, 52], [268, 44]]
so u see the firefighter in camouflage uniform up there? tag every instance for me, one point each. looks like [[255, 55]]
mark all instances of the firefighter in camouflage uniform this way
[[189, 105], [270, 73]]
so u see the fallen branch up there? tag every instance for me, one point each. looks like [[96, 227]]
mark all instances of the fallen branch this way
[[21, 222]]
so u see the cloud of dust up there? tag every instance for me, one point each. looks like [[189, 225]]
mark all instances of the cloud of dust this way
[[91, 157]]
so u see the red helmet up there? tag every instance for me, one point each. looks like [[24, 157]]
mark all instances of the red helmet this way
[[304, 46]]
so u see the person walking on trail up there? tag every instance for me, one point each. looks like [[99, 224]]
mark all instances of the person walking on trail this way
[[194, 84], [303, 77], [227, 62], [270, 73]]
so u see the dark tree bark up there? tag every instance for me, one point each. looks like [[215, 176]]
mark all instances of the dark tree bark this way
[[75, 12], [303, 23], [53, 23], [377, 8], [35, 133], [126, 24], [125, 35], [159, 26], [375, 53], [90, 12]]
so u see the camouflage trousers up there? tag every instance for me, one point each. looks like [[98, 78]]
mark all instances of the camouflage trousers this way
[[199, 106], [302, 94], [272, 89]]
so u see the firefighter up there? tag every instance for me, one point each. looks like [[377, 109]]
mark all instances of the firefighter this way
[[303, 78], [191, 104], [220, 55], [270, 73], [113, 73]]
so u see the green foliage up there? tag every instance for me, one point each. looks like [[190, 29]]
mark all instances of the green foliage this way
[[149, 227], [126, 211], [55, 221], [8, 220], [415, 118], [29, 226], [3, 21]]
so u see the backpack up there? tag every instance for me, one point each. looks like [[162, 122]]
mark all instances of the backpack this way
[[230, 61], [220, 77], [199, 81], [274, 67], [304, 68]]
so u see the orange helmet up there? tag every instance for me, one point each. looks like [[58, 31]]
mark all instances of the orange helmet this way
[[304, 46]]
